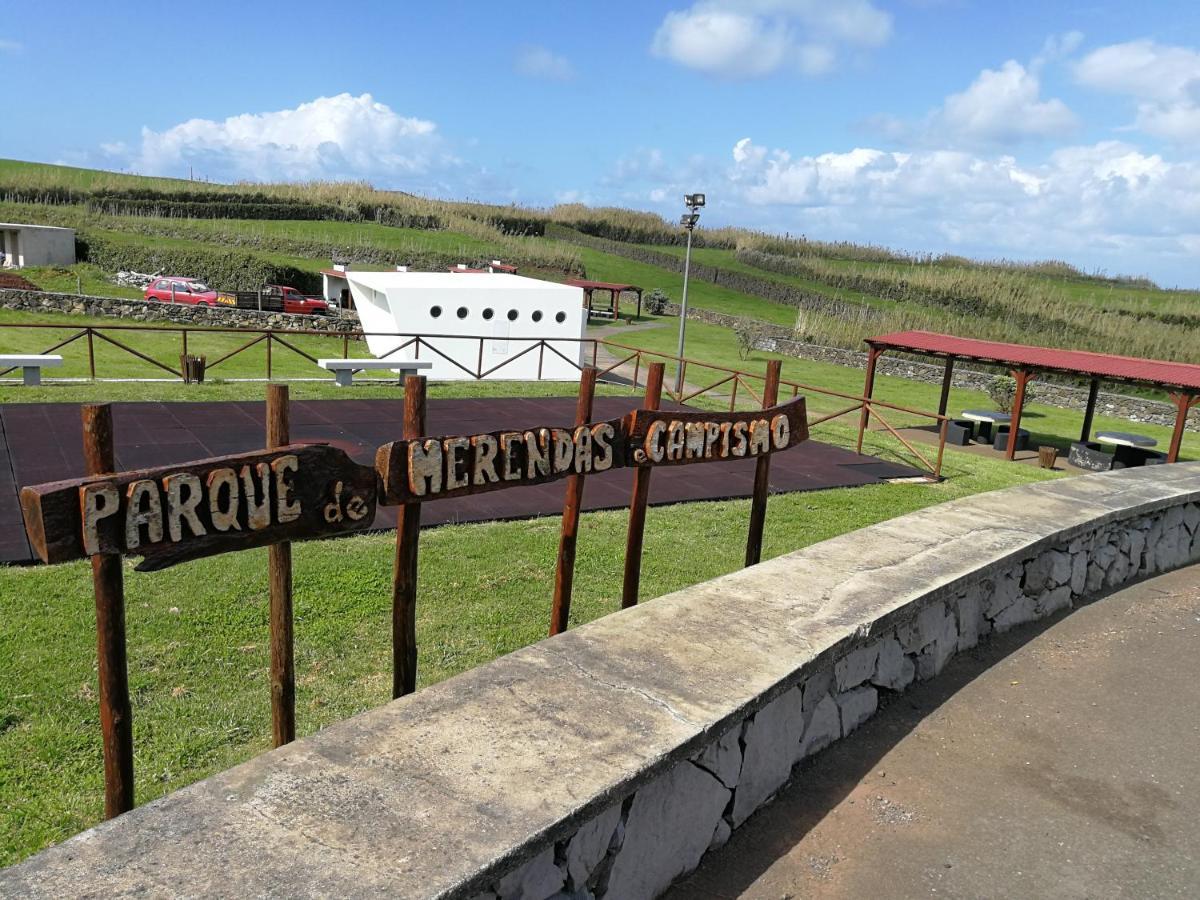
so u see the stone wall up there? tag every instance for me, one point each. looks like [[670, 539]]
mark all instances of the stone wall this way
[[179, 314], [606, 761], [776, 339]]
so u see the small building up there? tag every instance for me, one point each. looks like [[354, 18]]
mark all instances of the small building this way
[[36, 245], [493, 326]]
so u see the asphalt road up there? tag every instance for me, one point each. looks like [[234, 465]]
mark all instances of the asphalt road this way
[[1060, 760]]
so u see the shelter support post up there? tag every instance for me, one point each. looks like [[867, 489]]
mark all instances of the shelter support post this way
[[637, 506], [1022, 377], [868, 391], [404, 576], [947, 377], [1183, 403], [1085, 433]]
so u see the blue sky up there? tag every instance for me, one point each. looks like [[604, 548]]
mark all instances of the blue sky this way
[[993, 129]]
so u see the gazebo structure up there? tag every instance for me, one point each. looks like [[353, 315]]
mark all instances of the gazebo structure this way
[[1180, 380], [614, 292]]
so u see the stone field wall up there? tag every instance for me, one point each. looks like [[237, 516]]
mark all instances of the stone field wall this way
[[177, 313], [606, 761]]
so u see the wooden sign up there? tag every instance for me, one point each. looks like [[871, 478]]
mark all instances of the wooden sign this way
[[176, 513], [437, 468], [656, 438]]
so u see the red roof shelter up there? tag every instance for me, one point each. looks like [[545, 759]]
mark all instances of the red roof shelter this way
[[1181, 380], [614, 292]]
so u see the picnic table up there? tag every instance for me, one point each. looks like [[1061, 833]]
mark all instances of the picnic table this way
[[986, 419], [1125, 439]]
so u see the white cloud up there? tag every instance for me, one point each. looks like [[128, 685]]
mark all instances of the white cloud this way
[[329, 137], [538, 62], [1003, 106], [1163, 80], [1106, 205], [10, 46], [751, 38]]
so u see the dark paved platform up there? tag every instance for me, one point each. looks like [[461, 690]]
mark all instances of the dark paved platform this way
[[42, 442]]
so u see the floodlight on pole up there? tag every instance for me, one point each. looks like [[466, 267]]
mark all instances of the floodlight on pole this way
[[688, 220]]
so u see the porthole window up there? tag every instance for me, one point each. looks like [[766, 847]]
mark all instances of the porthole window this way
[[537, 315], [435, 311], [560, 317], [488, 313], [462, 312], [512, 315]]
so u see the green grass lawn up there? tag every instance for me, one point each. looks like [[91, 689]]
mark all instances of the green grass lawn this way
[[198, 642], [82, 278]]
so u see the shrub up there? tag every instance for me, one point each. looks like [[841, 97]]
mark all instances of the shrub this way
[[1003, 391], [656, 302]]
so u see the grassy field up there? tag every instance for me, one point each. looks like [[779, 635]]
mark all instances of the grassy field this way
[[197, 633]]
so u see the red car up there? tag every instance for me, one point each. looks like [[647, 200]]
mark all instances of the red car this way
[[173, 289], [296, 302]]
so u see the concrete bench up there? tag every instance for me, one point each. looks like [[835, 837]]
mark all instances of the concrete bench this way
[[31, 364], [343, 369]]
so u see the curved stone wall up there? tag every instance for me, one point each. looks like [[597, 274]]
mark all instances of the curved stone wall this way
[[604, 762]]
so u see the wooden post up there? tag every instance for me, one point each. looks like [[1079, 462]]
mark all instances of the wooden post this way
[[1086, 433], [268, 356], [1183, 402], [404, 577], [279, 563], [864, 419], [564, 575], [947, 378], [762, 474], [116, 714], [1014, 425], [637, 505]]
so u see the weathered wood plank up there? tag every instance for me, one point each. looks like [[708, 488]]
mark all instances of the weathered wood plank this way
[[679, 438], [170, 514]]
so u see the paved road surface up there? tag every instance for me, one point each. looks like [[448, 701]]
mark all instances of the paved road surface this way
[[1059, 761]]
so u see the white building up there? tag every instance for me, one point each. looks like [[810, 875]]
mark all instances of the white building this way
[[473, 322], [36, 245]]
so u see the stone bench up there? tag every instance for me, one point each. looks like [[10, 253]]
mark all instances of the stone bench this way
[[31, 364], [343, 369]]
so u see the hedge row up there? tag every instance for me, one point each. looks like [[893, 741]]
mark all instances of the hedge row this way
[[742, 282], [223, 269]]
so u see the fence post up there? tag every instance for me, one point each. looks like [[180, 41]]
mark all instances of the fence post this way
[[345, 346], [279, 562], [762, 474], [268, 356], [116, 714], [637, 505], [404, 576], [564, 575], [91, 354]]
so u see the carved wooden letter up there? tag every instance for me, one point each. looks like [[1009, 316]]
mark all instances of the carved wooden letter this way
[[760, 437], [143, 508], [564, 449], [258, 510], [425, 467], [455, 450], [781, 432], [655, 443], [484, 467], [602, 447], [286, 509], [539, 448], [583, 449], [223, 513], [181, 507], [510, 448], [96, 501]]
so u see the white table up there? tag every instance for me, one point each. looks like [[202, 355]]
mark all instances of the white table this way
[[1125, 439], [343, 369], [986, 419], [31, 365]]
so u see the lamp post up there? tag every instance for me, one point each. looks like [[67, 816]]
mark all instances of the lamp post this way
[[688, 220]]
